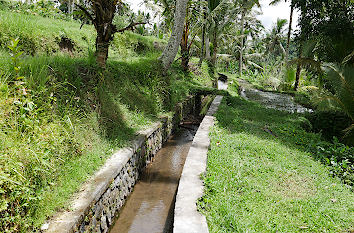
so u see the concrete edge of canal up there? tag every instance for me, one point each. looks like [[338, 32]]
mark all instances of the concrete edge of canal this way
[[186, 216], [97, 202]]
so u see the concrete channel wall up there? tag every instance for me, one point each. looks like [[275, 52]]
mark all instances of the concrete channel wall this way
[[187, 219], [102, 196]]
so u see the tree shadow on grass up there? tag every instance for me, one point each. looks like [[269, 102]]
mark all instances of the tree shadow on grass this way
[[124, 91], [139, 85], [113, 123], [241, 116]]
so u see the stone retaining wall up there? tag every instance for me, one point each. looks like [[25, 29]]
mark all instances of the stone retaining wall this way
[[100, 199]]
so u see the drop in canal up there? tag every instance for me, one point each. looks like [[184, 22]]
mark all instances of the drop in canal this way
[[150, 207]]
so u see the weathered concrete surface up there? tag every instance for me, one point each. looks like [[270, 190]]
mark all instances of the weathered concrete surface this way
[[187, 219]]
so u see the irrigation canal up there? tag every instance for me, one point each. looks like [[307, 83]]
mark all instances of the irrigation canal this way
[[150, 207]]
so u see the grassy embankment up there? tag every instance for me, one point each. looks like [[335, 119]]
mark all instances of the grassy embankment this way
[[261, 177], [65, 117]]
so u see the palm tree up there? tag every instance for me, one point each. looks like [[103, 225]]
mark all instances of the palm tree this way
[[275, 37], [191, 29], [171, 49], [246, 6], [275, 2]]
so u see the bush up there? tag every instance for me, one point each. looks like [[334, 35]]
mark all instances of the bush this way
[[329, 123], [339, 157]]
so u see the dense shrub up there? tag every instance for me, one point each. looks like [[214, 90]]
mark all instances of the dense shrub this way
[[329, 123], [339, 157]]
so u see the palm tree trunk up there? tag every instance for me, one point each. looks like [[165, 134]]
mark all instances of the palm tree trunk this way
[[171, 49], [207, 47], [184, 49], [201, 57], [242, 40], [203, 38], [215, 47], [298, 70], [289, 32]]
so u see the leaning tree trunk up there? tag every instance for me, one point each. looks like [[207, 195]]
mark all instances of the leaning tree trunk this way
[[171, 49], [242, 39], [289, 33]]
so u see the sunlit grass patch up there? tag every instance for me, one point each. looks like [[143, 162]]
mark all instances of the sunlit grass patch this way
[[260, 178]]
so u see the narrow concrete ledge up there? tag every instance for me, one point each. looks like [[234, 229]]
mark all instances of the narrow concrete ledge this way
[[187, 219]]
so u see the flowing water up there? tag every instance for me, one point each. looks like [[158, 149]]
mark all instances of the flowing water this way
[[149, 209], [278, 101]]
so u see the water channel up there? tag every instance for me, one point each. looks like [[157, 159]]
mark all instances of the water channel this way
[[149, 209], [278, 101]]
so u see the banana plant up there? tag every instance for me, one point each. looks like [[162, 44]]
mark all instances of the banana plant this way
[[340, 85]]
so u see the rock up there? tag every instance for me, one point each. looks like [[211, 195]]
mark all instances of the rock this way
[[45, 226]]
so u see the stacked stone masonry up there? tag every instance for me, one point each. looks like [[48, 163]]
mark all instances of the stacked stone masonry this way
[[98, 215]]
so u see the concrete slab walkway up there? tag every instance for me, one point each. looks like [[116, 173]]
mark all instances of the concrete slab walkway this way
[[187, 219]]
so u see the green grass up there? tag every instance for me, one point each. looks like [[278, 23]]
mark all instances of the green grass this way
[[260, 177], [39, 35]]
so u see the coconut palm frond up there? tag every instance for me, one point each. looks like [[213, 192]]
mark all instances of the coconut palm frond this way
[[348, 58], [309, 62], [255, 65]]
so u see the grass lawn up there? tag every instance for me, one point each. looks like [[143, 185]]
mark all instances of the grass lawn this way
[[261, 179]]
